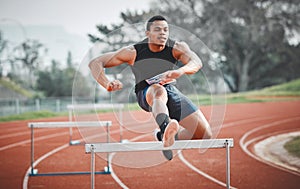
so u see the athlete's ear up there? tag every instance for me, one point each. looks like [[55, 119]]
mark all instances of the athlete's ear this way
[[147, 33]]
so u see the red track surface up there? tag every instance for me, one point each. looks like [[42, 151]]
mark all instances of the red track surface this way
[[246, 123]]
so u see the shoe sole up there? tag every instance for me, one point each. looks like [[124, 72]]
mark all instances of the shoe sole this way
[[168, 154], [170, 132]]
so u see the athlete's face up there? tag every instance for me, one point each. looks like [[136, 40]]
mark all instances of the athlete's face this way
[[158, 33]]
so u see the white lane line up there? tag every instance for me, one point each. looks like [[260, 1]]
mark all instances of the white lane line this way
[[273, 139], [21, 133], [29, 140], [35, 139], [245, 121], [13, 128], [118, 180], [113, 174], [15, 134], [236, 123], [187, 163], [26, 177], [244, 144]]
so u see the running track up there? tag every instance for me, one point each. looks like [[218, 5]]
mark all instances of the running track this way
[[246, 123]]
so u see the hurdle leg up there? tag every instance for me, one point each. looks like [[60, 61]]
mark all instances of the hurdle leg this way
[[70, 135], [71, 142], [32, 150], [227, 165], [92, 167], [107, 170], [70, 115], [121, 124], [70, 129]]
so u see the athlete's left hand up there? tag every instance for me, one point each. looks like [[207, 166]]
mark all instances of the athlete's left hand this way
[[171, 76]]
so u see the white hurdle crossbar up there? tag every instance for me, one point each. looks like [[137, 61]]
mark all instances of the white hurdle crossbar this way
[[68, 124], [72, 107], [158, 146]]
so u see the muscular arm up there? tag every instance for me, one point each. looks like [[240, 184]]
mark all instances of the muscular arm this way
[[191, 61], [111, 59]]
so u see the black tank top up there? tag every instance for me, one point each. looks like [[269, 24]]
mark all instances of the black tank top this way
[[148, 64]]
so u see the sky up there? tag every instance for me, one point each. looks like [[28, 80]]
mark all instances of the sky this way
[[71, 18], [76, 16]]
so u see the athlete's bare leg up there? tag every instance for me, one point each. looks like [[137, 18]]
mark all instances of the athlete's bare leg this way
[[194, 126], [157, 98]]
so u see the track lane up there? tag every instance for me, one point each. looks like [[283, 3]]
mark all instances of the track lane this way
[[239, 162], [239, 122], [246, 172]]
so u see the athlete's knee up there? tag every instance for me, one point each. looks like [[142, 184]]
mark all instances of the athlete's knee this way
[[158, 91]]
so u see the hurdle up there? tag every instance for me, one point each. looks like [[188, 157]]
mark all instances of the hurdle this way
[[72, 107], [158, 146], [68, 124]]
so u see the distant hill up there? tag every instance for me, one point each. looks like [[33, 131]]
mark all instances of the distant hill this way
[[289, 88], [11, 90], [54, 37]]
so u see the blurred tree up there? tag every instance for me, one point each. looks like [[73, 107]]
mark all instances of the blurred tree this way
[[252, 37], [69, 60], [57, 82], [253, 42], [50, 81], [44, 82], [3, 46], [30, 54], [116, 36]]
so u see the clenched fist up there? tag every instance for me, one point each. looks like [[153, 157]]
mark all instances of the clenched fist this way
[[114, 86]]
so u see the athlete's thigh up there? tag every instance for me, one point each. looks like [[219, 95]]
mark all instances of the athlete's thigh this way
[[197, 124]]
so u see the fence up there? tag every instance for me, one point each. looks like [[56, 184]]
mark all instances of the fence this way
[[17, 106]]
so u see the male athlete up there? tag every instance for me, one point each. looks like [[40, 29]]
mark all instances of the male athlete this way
[[153, 64]]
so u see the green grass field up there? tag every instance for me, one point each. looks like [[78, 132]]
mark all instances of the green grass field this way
[[30, 115], [287, 91], [293, 146]]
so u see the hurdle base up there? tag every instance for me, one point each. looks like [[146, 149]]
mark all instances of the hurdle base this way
[[33, 172], [74, 142], [106, 171], [124, 141]]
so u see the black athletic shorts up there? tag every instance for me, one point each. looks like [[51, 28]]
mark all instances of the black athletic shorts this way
[[179, 106]]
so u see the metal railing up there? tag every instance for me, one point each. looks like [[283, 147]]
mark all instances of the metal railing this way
[[55, 104]]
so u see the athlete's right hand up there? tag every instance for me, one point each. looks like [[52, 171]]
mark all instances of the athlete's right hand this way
[[114, 86]]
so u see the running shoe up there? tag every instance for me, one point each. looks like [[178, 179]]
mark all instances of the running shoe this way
[[167, 153], [170, 133]]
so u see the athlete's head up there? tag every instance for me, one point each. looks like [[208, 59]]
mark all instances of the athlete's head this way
[[157, 30]]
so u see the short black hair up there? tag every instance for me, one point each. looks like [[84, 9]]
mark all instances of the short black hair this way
[[152, 19]]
